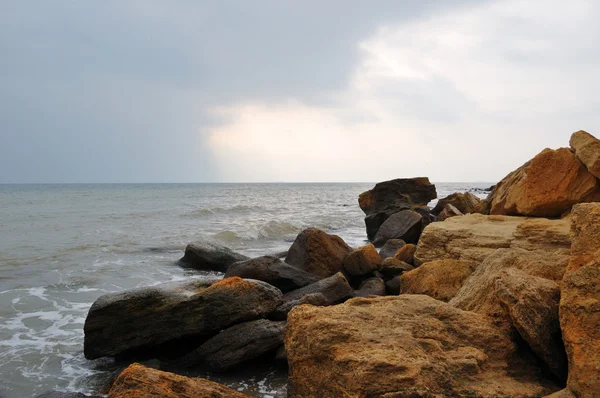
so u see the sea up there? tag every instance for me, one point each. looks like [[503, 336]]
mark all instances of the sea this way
[[63, 246]]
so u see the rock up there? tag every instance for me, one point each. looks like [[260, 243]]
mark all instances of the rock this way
[[396, 195], [587, 149], [449, 211], [210, 256], [281, 313], [273, 271], [137, 319], [374, 221], [391, 247], [406, 254], [371, 287], [317, 252], [473, 237], [532, 304], [405, 225], [546, 186], [391, 267], [561, 394], [362, 261], [140, 381], [335, 289], [405, 346], [58, 394], [392, 286], [236, 345], [580, 302], [439, 279], [281, 356], [465, 203]]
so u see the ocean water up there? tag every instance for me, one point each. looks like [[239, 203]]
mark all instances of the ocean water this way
[[62, 246]]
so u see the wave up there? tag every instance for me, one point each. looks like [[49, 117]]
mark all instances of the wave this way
[[237, 209]]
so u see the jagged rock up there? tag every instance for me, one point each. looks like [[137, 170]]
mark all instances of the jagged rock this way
[[237, 344], [587, 149], [406, 225], [532, 304], [406, 254], [466, 203], [281, 313], [273, 271], [142, 318], [391, 247], [210, 256], [473, 237], [447, 212], [318, 252], [546, 186], [140, 381], [362, 261], [405, 346], [580, 302], [391, 267], [371, 287], [439, 279], [335, 289]]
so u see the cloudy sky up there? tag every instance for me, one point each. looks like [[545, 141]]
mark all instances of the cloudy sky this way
[[271, 90]]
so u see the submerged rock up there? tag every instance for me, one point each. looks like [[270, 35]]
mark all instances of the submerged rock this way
[[406, 225], [318, 252], [362, 261], [391, 247], [210, 256], [439, 279], [587, 149]]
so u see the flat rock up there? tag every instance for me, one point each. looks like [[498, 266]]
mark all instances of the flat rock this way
[[362, 261], [141, 381], [406, 225], [391, 247], [465, 203], [440, 279], [142, 318], [210, 256], [405, 346], [318, 252], [371, 287], [272, 270], [587, 149]]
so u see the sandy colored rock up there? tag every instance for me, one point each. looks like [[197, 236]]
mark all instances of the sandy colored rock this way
[[140, 381], [318, 252], [439, 279], [362, 261], [587, 149], [406, 225], [449, 211], [406, 254], [473, 237], [546, 186], [580, 302], [404, 346], [465, 203]]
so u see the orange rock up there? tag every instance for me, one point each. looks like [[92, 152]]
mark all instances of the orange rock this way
[[406, 254], [439, 279], [318, 252], [139, 381], [362, 261]]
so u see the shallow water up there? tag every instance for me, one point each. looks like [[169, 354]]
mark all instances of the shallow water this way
[[62, 246]]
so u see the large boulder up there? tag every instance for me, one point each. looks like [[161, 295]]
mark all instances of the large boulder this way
[[236, 345], [465, 203], [362, 261], [406, 225], [391, 247], [546, 186], [318, 252], [580, 302], [587, 149], [405, 346], [210, 256], [473, 237], [118, 323], [140, 381], [439, 279], [272, 270]]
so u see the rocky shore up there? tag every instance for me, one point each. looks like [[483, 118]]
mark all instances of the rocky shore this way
[[473, 298]]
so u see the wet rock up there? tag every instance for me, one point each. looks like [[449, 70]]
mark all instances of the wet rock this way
[[335, 289], [391, 247], [405, 346], [140, 381], [546, 186], [406, 254], [406, 225], [210, 256], [237, 344], [587, 149], [281, 313], [142, 318], [318, 252], [439, 279], [449, 211], [371, 287], [272, 270], [465, 203], [391, 267], [580, 302], [362, 261]]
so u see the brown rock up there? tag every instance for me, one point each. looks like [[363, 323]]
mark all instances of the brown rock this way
[[406, 225], [405, 346], [211, 256], [391, 247], [391, 267], [546, 186], [587, 149], [439, 279], [465, 203], [140, 381], [371, 287], [580, 302], [362, 261], [406, 254], [318, 252], [447, 212], [399, 194]]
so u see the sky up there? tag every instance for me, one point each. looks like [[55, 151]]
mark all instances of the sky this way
[[291, 91]]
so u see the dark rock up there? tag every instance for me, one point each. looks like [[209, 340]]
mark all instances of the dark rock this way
[[210, 256], [281, 356], [273, 271], [141, 318], [236, 345], [362, 261], [318, 252], [397, 195], [57, 394], [371, 287], [392, 287], [280, 314], [335, 289], [374, 221], [391, 247], [465, 202], [406, 225], [392, 267]]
